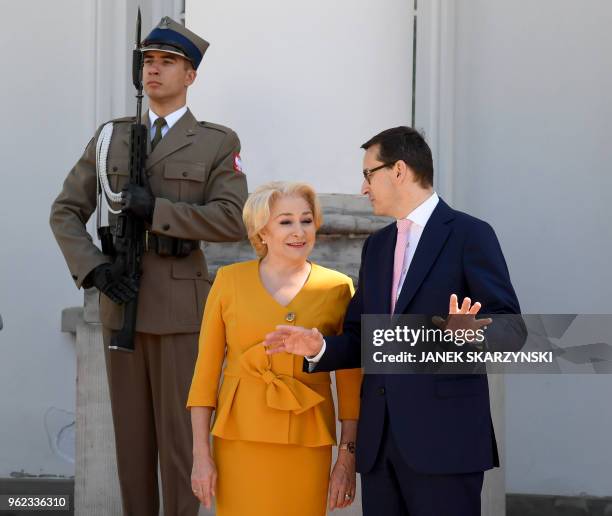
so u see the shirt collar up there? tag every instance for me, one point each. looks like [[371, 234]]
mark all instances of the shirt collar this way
[[420, 215], [171, 119]]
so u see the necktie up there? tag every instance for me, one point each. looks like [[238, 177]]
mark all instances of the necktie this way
[[159, 123], [403, 228]]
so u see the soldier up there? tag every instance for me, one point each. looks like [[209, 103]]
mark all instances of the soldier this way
[[196, 191]]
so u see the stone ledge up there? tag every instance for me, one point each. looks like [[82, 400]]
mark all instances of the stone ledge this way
[[71, 316], [551, 505], [345, 214]]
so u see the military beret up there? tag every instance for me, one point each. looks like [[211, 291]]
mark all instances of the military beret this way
[[174, 38]]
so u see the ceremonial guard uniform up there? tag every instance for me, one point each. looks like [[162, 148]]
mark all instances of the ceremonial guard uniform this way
[[197, 192]]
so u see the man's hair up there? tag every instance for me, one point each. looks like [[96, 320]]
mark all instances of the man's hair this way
[[406, 144]]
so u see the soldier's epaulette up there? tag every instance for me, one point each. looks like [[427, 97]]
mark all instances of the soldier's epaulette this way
[[123, 119], [216, 127]]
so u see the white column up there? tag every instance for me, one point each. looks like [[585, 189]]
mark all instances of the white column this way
[[96, 486], [435, 116]]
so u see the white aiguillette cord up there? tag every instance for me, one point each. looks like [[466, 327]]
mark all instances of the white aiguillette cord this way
[[102, 185]]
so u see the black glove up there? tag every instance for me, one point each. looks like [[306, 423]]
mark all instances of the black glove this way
[[119, 287], [138, 200]]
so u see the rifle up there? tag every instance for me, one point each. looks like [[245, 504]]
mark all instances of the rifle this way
[[130, 229]]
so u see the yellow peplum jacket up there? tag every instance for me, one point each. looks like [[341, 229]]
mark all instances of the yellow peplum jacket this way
[[269, 398]]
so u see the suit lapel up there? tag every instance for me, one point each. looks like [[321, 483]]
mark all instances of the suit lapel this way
[[180, 135], [432, 241], [384, 262]]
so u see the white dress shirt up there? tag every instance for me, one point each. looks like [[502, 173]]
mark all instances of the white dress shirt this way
[[170, 119], [419, 218]]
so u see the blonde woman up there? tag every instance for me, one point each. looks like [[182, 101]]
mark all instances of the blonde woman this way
[[274, 424]]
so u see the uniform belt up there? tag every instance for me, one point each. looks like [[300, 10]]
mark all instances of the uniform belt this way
[[169, 246]]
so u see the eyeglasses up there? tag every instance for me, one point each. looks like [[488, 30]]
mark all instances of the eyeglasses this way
[[367, 172]]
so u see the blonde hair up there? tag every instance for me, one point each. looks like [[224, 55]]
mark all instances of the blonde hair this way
[[256, 212]]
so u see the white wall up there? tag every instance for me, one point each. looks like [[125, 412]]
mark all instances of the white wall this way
[[68, 71], [47, 120], [533, 156], [304, 83]]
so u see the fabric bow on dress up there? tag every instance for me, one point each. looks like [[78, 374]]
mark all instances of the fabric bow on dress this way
[[283, 392]]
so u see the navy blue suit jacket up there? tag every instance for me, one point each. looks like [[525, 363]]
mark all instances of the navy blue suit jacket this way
[[441, 423]]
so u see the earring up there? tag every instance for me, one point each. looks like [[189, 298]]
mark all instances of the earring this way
[[263, 242]]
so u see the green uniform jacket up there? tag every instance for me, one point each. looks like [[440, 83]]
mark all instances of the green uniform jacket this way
[[199, 196]]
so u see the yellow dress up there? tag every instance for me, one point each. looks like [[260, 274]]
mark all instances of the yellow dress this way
[[274, 424]]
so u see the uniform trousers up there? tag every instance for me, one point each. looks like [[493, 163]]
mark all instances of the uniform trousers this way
[[148, 391]]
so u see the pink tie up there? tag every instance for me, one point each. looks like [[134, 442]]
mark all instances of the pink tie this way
[[403, 228]]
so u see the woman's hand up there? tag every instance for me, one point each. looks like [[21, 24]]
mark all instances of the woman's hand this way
[[342, 482], [204, 479]]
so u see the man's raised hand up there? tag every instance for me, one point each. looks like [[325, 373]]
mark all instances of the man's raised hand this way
[[462, 318]]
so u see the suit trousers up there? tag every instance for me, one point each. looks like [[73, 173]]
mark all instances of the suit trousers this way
[[148, 391], [393, 488]]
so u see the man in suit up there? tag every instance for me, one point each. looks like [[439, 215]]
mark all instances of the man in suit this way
[[195, 191], [423, 441]]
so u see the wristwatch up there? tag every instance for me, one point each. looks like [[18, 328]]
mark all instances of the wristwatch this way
[[349, 446]]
